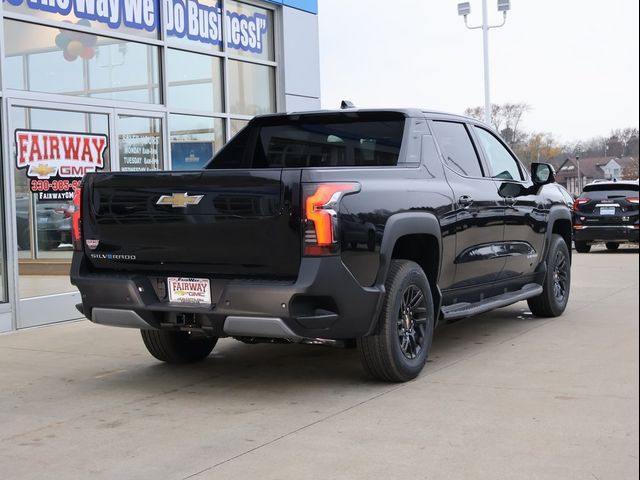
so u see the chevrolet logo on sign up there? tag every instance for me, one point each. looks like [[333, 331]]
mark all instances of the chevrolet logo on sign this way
[[179, 200]]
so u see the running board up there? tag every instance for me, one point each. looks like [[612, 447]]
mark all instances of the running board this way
[[463, 310]]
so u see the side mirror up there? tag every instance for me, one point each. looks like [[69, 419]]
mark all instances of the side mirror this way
[[542, 173]]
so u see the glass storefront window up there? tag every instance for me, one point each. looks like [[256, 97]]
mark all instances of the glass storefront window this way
[[43, 225], [249, 31], [194, 24], [51, 60], [139, 143], [3, 263], [194, 140], [252, 88], [237, 125], [141, 18], [195, 81]]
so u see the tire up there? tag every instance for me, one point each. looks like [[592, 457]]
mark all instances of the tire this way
[[177, 347], [557, 282], [583, 247], [612, 246], [399, 349]]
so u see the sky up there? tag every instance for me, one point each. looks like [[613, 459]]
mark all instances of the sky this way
[[575, 62]]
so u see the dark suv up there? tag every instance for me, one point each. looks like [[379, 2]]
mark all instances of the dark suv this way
[[606, 212], [351, 226]]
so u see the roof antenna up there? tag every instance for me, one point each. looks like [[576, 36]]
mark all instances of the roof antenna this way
[[346, 104]]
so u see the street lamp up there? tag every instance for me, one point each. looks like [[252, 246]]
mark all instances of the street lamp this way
[[464, 9]]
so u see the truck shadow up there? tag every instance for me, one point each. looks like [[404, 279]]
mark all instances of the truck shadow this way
[[235, 368]]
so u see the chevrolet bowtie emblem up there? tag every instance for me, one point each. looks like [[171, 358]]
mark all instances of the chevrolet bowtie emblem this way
[[179, 200], [42, 170]]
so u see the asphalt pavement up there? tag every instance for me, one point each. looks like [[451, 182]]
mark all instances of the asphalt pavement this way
[[504, 396]]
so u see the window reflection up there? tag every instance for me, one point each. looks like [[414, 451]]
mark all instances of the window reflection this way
[[194, 140], [195, 81], [251, 88], [52, 60]]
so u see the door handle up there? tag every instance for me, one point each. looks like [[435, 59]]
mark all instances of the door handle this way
[[465, 201], [510, 201]]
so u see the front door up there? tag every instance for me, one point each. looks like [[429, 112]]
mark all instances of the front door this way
[[52, 147], [525, 216]]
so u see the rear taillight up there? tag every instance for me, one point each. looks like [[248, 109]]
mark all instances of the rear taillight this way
[[75, 219], [321, 204], [579, 202], [633, 200]]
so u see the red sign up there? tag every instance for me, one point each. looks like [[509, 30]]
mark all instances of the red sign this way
[[55, 162]]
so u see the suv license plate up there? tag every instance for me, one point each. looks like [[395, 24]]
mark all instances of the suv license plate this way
[[607, 210], [189, 290]]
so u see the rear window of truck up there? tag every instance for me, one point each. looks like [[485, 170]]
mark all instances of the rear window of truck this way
[[333, 140], [608, 191]]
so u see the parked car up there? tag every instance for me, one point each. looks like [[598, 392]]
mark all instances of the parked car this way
[[374, 226], [606, 212], [53, 220]]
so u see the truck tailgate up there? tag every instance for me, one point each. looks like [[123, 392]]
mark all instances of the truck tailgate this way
[[233, 222]]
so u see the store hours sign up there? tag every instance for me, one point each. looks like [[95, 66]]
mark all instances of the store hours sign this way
[[55, 162], [183, 18]]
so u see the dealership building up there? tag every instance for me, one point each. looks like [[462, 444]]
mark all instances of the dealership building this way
[[126, 85]]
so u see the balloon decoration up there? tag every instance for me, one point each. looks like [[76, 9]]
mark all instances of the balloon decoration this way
[[77, 44]]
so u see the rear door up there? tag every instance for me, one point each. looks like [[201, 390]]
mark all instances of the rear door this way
[[479, 210]]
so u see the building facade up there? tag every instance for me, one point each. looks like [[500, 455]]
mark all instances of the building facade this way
[[126, 85]]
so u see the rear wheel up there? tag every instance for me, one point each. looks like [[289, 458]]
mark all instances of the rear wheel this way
[[178, 347], [557, 282], [582, 247], [398, 350], [612, 246]]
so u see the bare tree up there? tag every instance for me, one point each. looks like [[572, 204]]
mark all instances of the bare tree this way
[[505, 119], [538, 147]]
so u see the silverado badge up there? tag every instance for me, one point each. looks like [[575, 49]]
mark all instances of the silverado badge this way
[[179, 200]]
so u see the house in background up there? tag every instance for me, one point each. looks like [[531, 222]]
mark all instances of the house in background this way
[[597, 168]]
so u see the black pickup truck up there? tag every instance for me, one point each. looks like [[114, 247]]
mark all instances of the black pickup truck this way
[[364, 227]]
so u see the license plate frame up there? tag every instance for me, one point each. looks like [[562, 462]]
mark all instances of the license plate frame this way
[[189, 290], [607, 211]]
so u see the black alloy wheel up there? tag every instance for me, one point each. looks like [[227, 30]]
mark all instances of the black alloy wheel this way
[[556, 285], [412, 322], [561, 272], [400, 345]]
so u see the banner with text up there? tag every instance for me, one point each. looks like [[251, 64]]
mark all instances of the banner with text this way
[[183, 18]]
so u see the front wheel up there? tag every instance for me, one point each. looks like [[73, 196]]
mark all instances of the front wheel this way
[[398, 350], [612, 246], [178, 347], [557, 282]]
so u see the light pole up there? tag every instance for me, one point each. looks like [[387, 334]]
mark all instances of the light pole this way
[[464, 9]]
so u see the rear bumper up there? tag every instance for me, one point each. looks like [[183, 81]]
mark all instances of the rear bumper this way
[[601, 233], [325, 301]]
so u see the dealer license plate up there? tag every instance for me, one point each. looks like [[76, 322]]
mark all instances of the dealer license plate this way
[[189, 290], [607, 210]]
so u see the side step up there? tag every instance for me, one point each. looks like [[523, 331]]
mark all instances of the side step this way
[[463, 310]]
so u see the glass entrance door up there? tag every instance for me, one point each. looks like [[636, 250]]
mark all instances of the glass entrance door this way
[[52, 148]]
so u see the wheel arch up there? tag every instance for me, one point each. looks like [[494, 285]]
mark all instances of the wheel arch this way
[[414, 236], [560, 223]]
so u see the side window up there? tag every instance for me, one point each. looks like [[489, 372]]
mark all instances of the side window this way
[[457, 148], [503, 165]]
